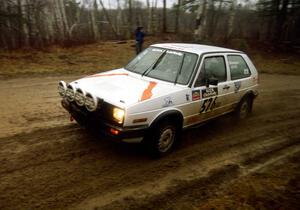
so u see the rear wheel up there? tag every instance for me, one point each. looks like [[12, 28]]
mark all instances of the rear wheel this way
[[244, 108]]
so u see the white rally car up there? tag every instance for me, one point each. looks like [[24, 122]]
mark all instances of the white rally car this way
[[166, 88]]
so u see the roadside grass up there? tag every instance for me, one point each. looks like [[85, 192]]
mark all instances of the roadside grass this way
[[276, 63], [83, 60], [103, 56]]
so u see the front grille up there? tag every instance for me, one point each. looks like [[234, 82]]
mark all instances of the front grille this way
[[103, 113]]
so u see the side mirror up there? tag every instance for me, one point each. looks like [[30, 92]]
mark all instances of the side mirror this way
[[212, 81]]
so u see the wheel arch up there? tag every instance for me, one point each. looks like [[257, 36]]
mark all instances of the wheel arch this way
[[249, 94], [172, 114]]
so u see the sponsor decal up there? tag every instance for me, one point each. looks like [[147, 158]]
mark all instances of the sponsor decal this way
[[187, 97], [233, 62], [167, 102], [174, 53], [246, 71], [209, 92], [237, 86], [148, 91], [196, 95], [156, 50], [107, 75]]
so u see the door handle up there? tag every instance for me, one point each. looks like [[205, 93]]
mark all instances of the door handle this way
[[226, 87]]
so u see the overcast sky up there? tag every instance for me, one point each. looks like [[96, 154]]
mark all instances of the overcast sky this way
[[113, 3], [170, 3]]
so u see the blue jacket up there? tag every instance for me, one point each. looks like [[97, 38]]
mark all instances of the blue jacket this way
[[139, 36]]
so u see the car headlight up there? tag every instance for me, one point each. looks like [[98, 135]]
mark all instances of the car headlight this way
[[79, 97], [91, 102], [62, 87], [70, 93], [118, 115]]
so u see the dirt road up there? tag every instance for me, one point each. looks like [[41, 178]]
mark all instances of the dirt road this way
[[49, 163]]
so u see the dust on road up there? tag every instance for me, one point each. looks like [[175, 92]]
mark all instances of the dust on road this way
[[49, 163]]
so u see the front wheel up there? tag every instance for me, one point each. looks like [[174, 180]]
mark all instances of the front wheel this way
[[163, 139]]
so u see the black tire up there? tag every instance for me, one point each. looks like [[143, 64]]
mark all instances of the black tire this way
[[244, 108], [162, 139]]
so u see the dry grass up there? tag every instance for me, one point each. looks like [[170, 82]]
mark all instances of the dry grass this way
[[56, 60], [277, 64], [109, 55]]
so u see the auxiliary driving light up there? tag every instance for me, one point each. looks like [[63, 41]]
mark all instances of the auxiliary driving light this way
[[79, 97], [91, 102], [62, 87], [70, 93]]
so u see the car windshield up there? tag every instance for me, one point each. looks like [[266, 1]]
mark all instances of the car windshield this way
[[168, 65]]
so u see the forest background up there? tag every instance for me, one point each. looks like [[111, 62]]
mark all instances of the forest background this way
[[69, 36]]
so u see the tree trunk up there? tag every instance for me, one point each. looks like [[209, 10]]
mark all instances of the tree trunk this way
[[165, 16], [149, 9], [20, 34], [108, 19], [64, 18], [119, 17], [130, 16], [280, 20], [177, 16], [231, 19], [58, 21], [49, 23], [93, 21], [201, 21]]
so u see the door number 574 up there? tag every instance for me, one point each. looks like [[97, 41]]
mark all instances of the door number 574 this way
[[208, 105]]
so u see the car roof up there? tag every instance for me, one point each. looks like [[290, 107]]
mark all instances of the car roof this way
[[194, 48]]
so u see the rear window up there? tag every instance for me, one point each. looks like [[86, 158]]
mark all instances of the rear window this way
[[238, 67]]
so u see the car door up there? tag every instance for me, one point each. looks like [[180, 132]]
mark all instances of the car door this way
[[239, 78], [209, 100]]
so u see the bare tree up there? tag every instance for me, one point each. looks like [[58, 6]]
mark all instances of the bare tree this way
[[94, 20], [38, 23], [164, 16], [177, 15], [130, 15], [119, 17], [149, 9], [108, 19], [231, 18], [201, 20]]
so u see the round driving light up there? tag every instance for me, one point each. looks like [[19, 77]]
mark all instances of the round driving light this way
[[91, 102], [62, 87], [70, 93], [79, 97]]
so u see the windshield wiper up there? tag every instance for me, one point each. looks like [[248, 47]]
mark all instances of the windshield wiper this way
[[179, 72], [152, 67]]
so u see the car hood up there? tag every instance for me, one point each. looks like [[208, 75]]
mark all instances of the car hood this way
[[123, 88]]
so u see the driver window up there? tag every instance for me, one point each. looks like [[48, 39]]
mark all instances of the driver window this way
[[212, 68]]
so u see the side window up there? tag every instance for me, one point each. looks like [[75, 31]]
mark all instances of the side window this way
[[238, 67], [212, 68]]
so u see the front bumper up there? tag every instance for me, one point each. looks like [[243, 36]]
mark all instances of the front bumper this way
[[114, 132]]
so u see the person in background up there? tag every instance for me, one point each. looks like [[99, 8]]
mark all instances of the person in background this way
[[139, 38]]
